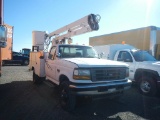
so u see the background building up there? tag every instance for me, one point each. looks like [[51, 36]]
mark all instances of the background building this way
[[146, 38]]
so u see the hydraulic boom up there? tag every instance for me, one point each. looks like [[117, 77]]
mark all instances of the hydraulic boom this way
[[86, 24]]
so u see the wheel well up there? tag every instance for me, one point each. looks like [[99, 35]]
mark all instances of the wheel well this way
[[32, 68], [63, 78], [140, 73], [25, 60]]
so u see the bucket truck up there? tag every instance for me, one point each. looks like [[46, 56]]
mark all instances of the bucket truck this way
[[76, 69]]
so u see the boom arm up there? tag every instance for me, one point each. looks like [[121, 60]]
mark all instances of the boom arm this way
[[86, 24]]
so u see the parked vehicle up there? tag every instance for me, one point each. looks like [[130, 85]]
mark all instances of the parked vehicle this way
[[8, 56], [145, 38], [76, 69], [17, 58], [144, 69]]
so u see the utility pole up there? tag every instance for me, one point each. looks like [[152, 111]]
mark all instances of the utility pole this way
[[1, 22]]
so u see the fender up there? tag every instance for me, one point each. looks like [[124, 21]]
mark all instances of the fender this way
[[147, 72], [64, 71]]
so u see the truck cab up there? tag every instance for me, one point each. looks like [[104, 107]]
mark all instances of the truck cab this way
[[26, 51], [76, 58]]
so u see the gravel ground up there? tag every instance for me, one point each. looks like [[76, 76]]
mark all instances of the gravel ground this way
[[20, 99], [15, 73]]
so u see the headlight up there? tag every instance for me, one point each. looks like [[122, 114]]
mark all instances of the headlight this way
[[127, 72], [81, 74]]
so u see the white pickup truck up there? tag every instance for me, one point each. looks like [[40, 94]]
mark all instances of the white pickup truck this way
[[78, 71], [144, 69]]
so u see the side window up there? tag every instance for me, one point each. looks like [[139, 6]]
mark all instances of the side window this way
[[120, 56], [16, 54], [128, 57], [65, 52], [124, 56], [52, 53], [90, 52]]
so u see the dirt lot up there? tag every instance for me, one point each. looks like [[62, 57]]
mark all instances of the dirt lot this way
[[20, 99]]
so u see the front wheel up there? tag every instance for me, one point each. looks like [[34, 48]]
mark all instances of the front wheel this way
[[147, 86], [67, 100]]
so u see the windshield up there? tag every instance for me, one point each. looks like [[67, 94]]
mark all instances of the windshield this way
[[26, 51], [69, 51], [140, 55]]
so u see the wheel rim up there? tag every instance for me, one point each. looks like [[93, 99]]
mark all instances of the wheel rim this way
[[145, 86], [26, 62]]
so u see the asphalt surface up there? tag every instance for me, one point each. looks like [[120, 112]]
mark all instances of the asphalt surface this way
[[20, 99]]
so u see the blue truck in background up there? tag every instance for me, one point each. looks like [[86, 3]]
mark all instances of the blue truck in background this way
[[21, 58]]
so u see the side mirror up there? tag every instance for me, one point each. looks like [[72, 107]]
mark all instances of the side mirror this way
[[58, 55], [3, 36], [101, 54]]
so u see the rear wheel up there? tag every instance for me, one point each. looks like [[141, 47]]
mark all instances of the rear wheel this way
[[147, 86], [67, 100], [26, 62]]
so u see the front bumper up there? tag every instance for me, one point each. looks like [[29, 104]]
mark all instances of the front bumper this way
[[99, 88]]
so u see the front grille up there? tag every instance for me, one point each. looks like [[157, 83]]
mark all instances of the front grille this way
[[107, 74]]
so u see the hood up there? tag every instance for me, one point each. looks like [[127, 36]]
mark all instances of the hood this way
[[151, 65], [148, 63], [95, 62]]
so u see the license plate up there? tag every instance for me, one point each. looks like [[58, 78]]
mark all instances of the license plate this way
[[103, 89]]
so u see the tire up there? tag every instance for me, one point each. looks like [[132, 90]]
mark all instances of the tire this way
[[26, 62], [147, 86], [36, 79], [67, 100]]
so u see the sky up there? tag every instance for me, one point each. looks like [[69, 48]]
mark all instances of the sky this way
[[49, 15]]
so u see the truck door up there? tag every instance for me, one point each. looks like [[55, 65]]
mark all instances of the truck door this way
[[16, 56], [125, 56], [50, 66]]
